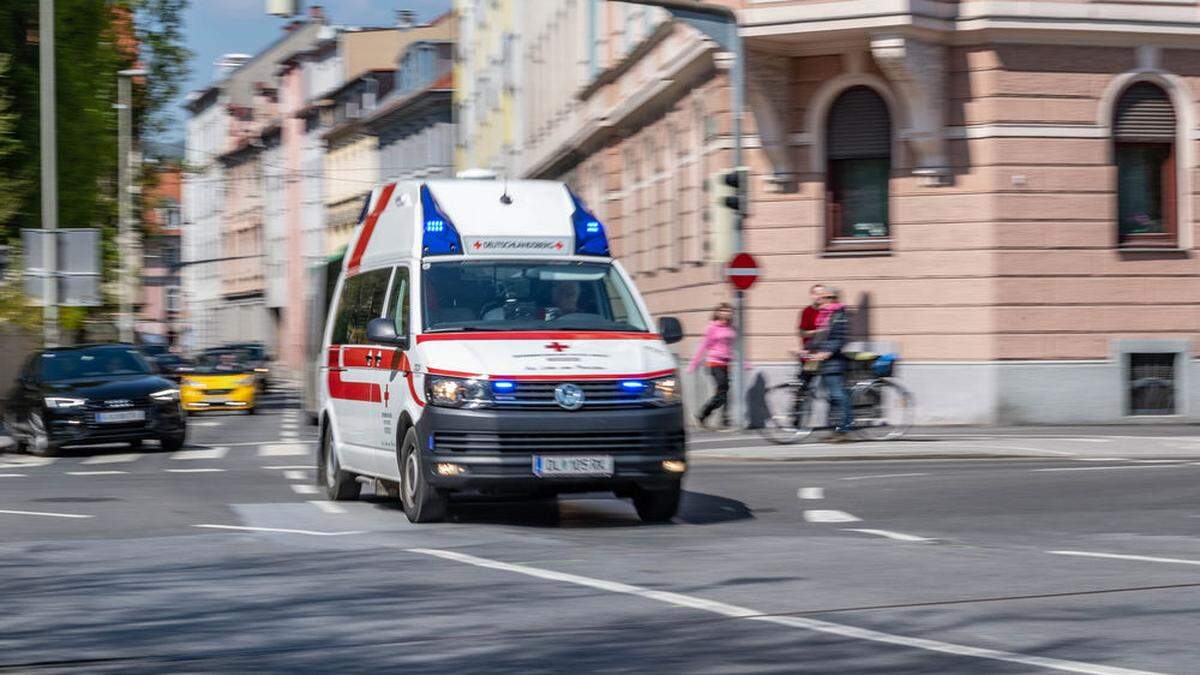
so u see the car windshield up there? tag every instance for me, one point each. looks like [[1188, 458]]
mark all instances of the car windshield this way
[[92, 362], [222, 363], [526, 295]]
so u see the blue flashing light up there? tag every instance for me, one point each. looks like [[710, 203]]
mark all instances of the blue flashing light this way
[[589, 232], [632, 385], [504, 386], [440, 237]]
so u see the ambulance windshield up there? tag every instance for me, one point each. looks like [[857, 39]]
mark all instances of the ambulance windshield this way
[[519, 295]]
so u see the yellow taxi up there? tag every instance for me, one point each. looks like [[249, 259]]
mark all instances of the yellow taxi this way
[[220, 380]]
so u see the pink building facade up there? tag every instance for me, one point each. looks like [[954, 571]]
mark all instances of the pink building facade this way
[[1009, 189]]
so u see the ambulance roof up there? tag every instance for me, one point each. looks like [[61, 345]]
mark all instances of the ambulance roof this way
[[535, 208]]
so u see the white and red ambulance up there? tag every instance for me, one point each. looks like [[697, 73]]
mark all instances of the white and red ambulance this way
[[483, 339]]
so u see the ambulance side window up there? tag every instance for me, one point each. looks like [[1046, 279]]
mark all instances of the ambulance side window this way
[[362, 300], [398, 306]]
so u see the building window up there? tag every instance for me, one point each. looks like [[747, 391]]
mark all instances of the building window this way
[[1144, 150], [858, 166], [1151, 379]]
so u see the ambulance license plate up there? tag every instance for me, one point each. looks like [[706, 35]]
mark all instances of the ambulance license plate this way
[[572, 465]]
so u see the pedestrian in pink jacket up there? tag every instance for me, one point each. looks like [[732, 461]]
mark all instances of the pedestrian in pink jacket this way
[[716, 351]]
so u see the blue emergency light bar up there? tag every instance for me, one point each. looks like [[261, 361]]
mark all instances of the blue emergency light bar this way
[[589, 232], [440, 237]]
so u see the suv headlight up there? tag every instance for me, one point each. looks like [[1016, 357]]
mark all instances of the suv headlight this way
[[62, 402], [455, 392], [166, 395], [666, 390]]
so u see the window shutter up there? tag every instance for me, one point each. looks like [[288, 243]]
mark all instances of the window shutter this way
[[1144, 113], [859, 126]]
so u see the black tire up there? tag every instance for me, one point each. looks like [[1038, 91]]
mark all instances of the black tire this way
[[422, 502], [39, 443], [250, 410], [135, 445], [657, 506], [883, 410], [340, 486], [788, 421], [173, 443]]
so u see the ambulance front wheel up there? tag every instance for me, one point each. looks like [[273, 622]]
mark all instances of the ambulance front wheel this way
[[340, 486], [422, 502]]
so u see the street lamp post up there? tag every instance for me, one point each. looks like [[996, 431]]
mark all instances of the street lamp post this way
[[125, 208], [49, 145]]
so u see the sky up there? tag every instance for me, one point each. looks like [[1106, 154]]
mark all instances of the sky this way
[[216, 27]]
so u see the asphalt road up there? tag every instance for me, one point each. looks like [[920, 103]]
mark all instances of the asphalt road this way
[[222, 559]]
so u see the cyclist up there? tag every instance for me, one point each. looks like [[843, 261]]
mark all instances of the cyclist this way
[[832, 334]]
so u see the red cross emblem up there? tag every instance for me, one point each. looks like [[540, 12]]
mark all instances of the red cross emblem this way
[[478, 244], [386, 394], [557, 347], [558, 245]]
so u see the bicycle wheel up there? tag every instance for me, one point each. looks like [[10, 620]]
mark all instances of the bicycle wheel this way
[[789, 418], [883, 410]]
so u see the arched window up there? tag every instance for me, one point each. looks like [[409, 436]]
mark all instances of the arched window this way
[[1144, 150], [858, 154]]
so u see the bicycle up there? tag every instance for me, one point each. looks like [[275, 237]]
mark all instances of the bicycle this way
[[883, 409]]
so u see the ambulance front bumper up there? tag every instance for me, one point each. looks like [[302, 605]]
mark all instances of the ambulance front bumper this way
[[506, 450]]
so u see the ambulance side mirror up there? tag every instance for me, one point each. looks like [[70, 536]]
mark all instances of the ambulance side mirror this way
[[670, 329], [382, 331]]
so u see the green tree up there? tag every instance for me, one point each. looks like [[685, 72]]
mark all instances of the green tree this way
[[159, 30], [12, 190]]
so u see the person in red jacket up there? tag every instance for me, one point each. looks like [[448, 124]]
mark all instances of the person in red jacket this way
[[807, 325]]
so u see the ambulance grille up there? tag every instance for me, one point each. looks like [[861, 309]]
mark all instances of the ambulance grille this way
[[606, 394], [606, 442]]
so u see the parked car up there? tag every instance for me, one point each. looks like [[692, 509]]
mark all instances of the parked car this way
[[221, 379], [90, 394]]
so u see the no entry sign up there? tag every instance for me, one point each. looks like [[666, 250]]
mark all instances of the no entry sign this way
[[742, 271]]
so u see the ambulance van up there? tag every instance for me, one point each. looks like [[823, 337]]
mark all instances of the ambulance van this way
[[484, 340]]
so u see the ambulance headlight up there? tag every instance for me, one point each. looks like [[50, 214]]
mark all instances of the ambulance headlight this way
[[666, 390], [455, 392]]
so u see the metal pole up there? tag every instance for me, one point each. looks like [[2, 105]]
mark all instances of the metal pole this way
[[125, 272], [49, 144], [738, 83]]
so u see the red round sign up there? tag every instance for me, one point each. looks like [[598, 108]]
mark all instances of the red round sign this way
[[742, 271]]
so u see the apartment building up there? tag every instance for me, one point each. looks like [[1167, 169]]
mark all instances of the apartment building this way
[[487, 97], [1007, 189]]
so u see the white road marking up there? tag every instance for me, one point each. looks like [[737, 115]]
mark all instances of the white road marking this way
[[282, 450], [286, 466], [829, 516], [208, 423], [96, 473], [1082, 440], [885, 475], [302, 489], [1099, 459], [898, 536], [195, 470], [43, 513], [206, 453], [811, 493], [14, 475], [816, 625], [113, 459], [288, 425], [245, 528], [1158, 461], [328, 507], [26, 462], [1122, 556], [258, 444], [1111, 468], [295, 474]]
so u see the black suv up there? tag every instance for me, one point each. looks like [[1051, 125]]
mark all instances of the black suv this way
[[92, 394]]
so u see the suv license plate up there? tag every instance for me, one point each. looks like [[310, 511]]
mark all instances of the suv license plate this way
[[572, 465], [121, 416]]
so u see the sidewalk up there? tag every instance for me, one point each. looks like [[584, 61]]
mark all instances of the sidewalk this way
[[1128, 442]]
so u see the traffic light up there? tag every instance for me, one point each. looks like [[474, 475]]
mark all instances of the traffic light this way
[[727, 200]]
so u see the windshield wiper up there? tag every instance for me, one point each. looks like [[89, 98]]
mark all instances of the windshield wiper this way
[[460, 329]]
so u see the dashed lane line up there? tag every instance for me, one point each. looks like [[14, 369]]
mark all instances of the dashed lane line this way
[[14, 475], [218, 452], [26, 462], [1122, 556], [114, 459], [282, 450], [45, 513], [207, 470], [246, 528], [897, 536], [285, 467], [804, 623], [328, 507], [811, 493], [884, 475], [295, 474], [301, 489], [96, 473], [1111, 468], [829, 516]]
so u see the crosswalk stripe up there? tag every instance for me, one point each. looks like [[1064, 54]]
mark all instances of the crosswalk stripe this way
[[295, 474], [113, 459], [328, 507], [195, 470], [96, 473], [301, 489], [282, 450], [25, 462], [207, 453]]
